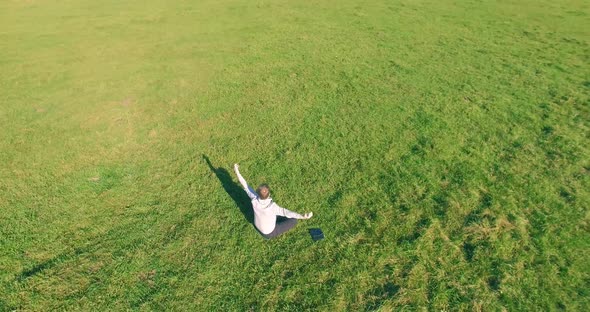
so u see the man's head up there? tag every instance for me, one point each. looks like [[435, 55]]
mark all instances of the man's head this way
[[263, 191]]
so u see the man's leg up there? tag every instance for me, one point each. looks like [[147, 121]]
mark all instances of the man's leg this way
[[283, 225]]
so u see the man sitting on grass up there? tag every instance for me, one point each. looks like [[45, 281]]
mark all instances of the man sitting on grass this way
[[266, 211]]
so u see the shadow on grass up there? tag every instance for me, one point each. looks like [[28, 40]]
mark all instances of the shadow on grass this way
[[119, 242], [234, 190], [92, 245], [50, 263]]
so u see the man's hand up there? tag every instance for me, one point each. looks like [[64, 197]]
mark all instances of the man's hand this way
[[308, 215]]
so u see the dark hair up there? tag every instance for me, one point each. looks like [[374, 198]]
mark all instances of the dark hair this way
[[263, 191]]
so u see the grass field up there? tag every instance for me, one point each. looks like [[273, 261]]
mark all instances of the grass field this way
[[443, 146]]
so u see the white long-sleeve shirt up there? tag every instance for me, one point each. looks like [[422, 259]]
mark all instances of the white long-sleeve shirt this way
[[265, 210]]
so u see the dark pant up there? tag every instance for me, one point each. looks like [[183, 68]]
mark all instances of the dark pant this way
[[283, 225]]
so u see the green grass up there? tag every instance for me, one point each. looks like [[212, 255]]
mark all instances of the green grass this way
[[443, 147]]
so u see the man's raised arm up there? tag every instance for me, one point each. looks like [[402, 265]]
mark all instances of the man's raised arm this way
[[251, 193]]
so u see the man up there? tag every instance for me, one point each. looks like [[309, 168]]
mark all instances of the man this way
[[266, 211]]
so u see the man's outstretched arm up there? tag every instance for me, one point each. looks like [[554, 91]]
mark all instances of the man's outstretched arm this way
[[251, 193], [278, 210]]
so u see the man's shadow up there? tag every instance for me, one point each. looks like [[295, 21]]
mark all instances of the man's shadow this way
[[234, 190]]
